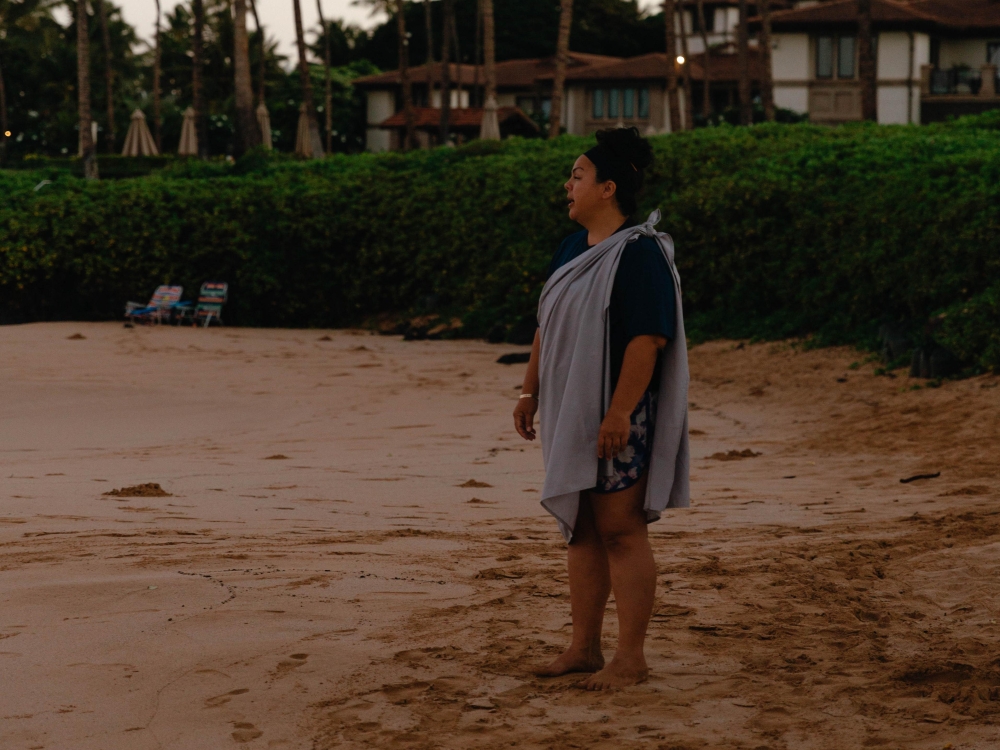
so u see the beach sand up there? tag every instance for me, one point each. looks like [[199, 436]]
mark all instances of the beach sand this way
[[351, 553]]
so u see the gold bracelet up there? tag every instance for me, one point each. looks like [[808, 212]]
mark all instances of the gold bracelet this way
[[527, 395]]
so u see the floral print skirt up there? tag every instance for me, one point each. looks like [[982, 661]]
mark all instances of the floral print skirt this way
[[628, 466]]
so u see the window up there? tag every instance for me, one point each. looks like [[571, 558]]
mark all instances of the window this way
[[643, 103], [993, 54], [547, 107], [598, 104], [628, 103], [709, 19], [824, 57], [845, 57], [614, 103]]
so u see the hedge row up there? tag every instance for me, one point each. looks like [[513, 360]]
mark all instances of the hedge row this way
[[780, 230]]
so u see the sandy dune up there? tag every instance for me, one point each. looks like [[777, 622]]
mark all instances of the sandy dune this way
[[319, 577]]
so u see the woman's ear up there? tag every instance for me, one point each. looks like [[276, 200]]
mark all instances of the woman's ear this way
[[609, 189]]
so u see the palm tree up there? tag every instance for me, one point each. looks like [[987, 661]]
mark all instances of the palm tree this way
[[247, 131], [201, 125], [686, 75], [673, 101], [490, 128], [866, 62], [327, 92], [109, 73], [87, 151], [706, 86], [562, 60], [449, 10], [743, 63], [767, 84], [314, 144], [262, 64], [429, 23], [404, 73], [157, 129]]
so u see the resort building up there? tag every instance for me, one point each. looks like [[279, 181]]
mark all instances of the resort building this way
[[934, 59]]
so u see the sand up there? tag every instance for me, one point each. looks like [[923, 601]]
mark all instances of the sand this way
[[352, 554]]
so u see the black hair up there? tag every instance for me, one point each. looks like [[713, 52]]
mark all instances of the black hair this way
[[631, 155]]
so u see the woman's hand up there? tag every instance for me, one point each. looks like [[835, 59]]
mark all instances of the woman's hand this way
[[614, 433], [524, 417]]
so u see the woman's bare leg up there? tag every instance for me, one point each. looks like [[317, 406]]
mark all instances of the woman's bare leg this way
[[589, 588], [621, 525]]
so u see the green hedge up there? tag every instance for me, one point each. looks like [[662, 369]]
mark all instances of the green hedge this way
[[780, 230]]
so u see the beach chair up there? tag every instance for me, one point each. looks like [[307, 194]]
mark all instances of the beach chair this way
[[160, 306], [211, 298]]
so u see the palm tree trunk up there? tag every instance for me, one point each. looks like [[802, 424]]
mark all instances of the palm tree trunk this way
[[109, 74], [489, 51], [867, 72], [474, 95], [767, 83], [262, 66], [247, 131], [316, 146], [743, 63], [429, 22], [403, 45], [562, 60], [449, 8], [706, 86], [458, 55], [327, 90], [201, 125], [673, 100], [157, 125], [3, 118], [87, 151], [686, 75]]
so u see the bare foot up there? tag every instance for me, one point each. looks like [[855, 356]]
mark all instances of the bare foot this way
[[573, 661], [618, 674]]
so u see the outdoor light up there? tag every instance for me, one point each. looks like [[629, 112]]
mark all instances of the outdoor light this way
[[7, 133], [680, 59]]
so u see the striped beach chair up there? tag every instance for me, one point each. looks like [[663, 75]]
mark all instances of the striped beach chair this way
[[160, 306], [211, 298]]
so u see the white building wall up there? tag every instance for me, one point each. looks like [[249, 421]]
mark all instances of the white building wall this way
[[892, 103], [795, 98], [381, 106], [570, 94], [506, 100], [790, 62], [790, 57], [971, 52], [894, 55]]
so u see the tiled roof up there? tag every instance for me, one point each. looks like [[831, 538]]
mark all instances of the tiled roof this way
[[510, 73], [468, 117], [654, 66], [942, 15]]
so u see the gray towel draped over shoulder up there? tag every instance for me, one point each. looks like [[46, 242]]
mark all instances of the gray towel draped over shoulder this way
[[575, 383]]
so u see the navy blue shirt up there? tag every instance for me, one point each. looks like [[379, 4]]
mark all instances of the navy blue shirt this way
[[643, 299]]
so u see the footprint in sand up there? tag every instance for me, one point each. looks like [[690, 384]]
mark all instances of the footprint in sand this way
[[221, 700], [245, 731], [293, 661]]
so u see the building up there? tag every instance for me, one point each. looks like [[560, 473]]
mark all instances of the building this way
[[600, 92], [934, 59]]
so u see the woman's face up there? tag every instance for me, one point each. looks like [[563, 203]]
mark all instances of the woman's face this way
[[587, 197]]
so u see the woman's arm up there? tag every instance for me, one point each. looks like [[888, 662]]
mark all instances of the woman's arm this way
[[524, 412], [637, 369]]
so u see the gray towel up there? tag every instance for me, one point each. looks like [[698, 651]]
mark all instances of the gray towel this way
[[575, 383]]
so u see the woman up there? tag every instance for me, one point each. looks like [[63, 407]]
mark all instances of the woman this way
[[608, 373]]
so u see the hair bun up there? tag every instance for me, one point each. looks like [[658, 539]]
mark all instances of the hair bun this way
[[627, 144]]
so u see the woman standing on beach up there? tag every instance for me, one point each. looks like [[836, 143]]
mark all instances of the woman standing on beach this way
[[608, 372]]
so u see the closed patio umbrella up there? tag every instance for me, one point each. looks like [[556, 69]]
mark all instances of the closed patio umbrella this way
[[264, 122], [139, 141], [189, 135]]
